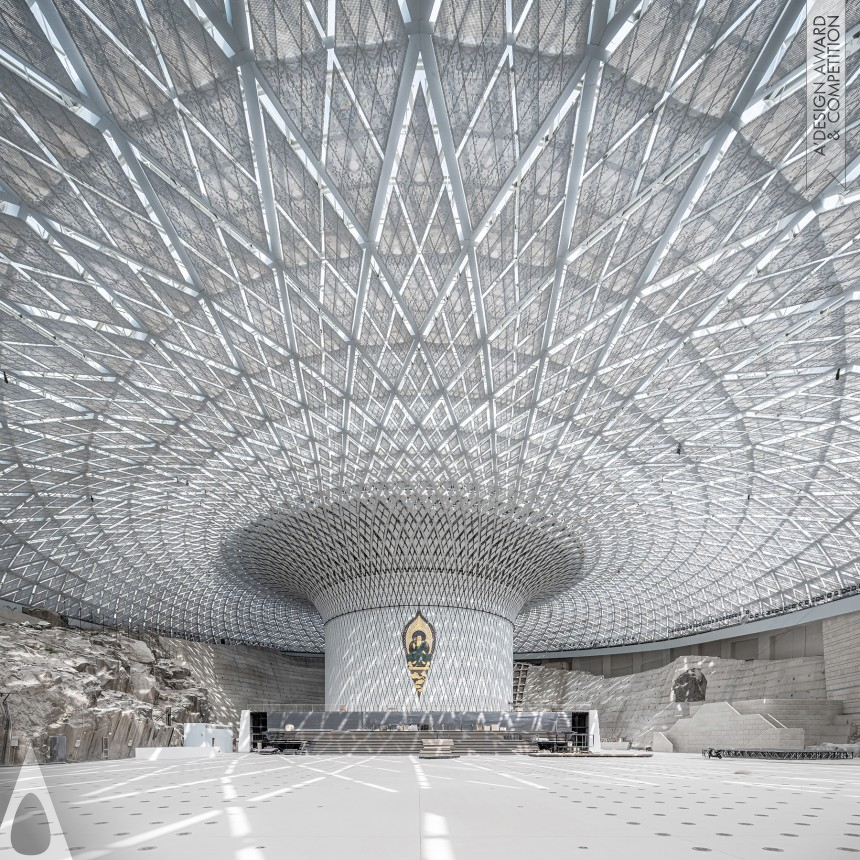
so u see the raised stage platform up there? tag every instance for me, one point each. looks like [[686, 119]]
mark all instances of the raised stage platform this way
[[342, 721], [403, 732], [402, 743]]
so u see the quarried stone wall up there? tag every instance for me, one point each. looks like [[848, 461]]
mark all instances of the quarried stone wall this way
[[93, 688], [97, 686]]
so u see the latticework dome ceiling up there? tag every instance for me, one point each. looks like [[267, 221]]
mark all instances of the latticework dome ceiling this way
[[576, 257]]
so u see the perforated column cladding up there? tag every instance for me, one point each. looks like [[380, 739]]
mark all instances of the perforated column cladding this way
[[471, 669]]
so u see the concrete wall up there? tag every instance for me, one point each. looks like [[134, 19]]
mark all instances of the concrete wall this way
[[238, 675], [633, 706], [842, 660], [803, 640]]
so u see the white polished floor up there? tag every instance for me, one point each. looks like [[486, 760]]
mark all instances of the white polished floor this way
[[247, 807]]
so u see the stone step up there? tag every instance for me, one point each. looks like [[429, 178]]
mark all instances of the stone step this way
[[827, 735], [785, 706], [408, 743]]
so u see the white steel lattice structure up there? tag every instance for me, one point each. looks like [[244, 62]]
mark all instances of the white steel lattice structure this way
[[261, 256], [408, 545]]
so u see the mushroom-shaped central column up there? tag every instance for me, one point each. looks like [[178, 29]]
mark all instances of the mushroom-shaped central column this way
[[418, 588]]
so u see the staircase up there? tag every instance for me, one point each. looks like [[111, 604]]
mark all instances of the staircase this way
[[757, 724], [660, 721], [360, 743], [721, 725], [409, 743], [490, 743], [822, 720]]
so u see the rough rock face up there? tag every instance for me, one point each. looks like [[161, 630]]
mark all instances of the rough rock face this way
[[89, 686], [690, 686]]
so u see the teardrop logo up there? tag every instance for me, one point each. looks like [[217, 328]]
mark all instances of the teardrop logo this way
[[30, 826], [31, 834]]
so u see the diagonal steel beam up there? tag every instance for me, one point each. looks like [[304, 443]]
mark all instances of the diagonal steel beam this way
[[391, 158], [239, 49], [622, 23], [96, 110], [789, 231], [774, 48], [238, 15], [777, 43], [451, 168], [49, 19], [580, 138]]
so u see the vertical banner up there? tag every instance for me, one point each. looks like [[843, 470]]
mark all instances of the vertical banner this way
[[825, 88], [419, 644]]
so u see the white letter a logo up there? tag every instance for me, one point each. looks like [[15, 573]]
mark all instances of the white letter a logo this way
[[30, 826]]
